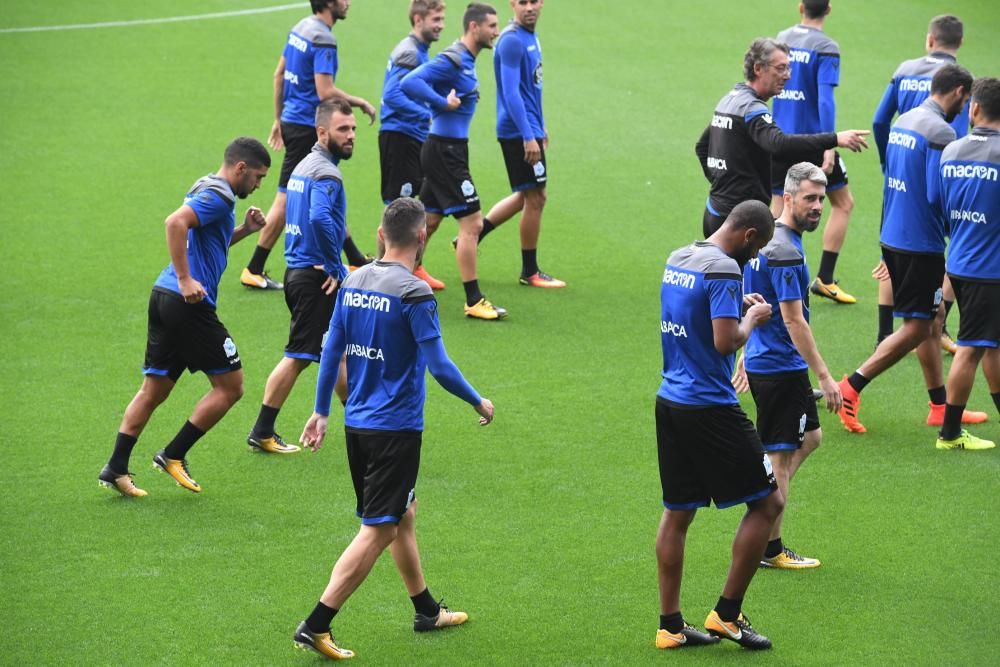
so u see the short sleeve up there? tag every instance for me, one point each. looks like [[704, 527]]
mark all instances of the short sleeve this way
[[725, 297], [209, 207], [422, 315], [325, 60], [829, 70], [787, 282]]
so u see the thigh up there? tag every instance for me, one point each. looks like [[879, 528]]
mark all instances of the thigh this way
[[299, 140], [521, 175], [399, 157], [786, 409], [681, 486], [311, 309], [389, 478], [164, 317], [916, 283], [979, 313], [205, 343]]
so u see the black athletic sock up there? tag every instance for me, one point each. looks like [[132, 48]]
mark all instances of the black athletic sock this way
[[774, 547], [264, 428], [183, 441], [728, 610], [937, 395], [672, 622], [259, 259], [472, 293], [529, 262], [319, 619], [487, 228], [884, 322], [123, 450], [827, 264], [947, 309], [424, 604], [354, 256], [996, 400], [952, 427], [858, 381]]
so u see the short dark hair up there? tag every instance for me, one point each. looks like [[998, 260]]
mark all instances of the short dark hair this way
[[476, 12], [249, 150], [424, 7], [328, 107], [950, 77], [816, 8], [986, 93], [946, 30], [759, 53], [320, 5], [401, 221], [752, 214]]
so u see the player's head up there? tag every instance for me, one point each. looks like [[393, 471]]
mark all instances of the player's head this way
[[526, 12], [748, 228], [951, 88], [480, 22], [985, 101], [945, 33], [337, 8], [766, 66], [427, 19], [336, 126], [245, 163], [404, 225], [814, 9], [805, 192]]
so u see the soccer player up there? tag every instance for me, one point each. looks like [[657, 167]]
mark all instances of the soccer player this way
[[913, 242], [184, 330], [387, 322], [970, 168], [314, 234], [306, 72], [805, 106], [406, 123], [780, 354], [708, 449], [735, 149], [448, 84], [909, 87], [523, 136]]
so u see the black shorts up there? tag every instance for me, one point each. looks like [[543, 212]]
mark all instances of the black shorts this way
[[710, 222], [384, 468], [520, 174], [448, 188], [781, 163], [709, 454], [299, 141], [786, 409], [399, 156], [916, 283], [186, 335], [979, 312], [311, 309]]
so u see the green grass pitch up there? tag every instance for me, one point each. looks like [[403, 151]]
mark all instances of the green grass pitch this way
[[540, 526]]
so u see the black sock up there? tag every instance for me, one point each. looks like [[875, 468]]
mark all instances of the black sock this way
[[472, 293], [354, 256], [672, 622], [183, 441], [424, 604], [487, 228], [884, 321], [774, 547], [996, 400], [937, 395], [858, 381], [123, 450], [319, 619], [952, 426], [259, 259], [827, 263], [264, 428], [947, 309], [728, 610], [529, 262]]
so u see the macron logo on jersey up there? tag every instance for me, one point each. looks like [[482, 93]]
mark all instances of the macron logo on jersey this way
[[368, 301], [793, 95], [296, 185], [797, 56], [969, 216], [673, 329], [724, 122], [298, 43], [678, 278], [904, 140], [372, 353], [979, 171], [915, 85]]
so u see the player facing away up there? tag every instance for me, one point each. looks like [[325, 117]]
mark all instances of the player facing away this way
[[970, 171], [805, 106], [708, 449], [735, 149], [448, 84], [913, 243], [387, 322], [523, 136], [184, 330], [306, 73], [315, 226], [780, 353], [405, 123]]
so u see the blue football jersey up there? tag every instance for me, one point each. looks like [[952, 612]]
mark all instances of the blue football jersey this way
[[806, 105], [399, 113], [452, 69], [311, 49], [517, 65], [316, 214], [970, 170]]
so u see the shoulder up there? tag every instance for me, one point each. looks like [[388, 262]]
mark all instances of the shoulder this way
[[940, 133], [406, 53], [316, 167], [452, 54], [741, 101], [413, 290], [781, 251], [907, 67], [825, 46], [204, 189], [315, 32]]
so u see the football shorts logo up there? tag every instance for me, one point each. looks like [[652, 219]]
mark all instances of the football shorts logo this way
[[406, 190], [229, 347], [767, 466], [938, 296], [768, 119], [802, 427], [468, 189], [539, 169]]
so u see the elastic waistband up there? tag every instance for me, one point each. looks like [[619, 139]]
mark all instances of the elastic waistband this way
[[446, 140]]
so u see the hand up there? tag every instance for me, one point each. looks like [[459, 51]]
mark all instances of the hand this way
[[831, 392], [367, 109], [275, 140], [191, 290], [329, 285], [254, 220], [740, 382], [881, 272], [751, 299], [532, 153], [314, 432], [453, 101], [828, 160], [485, 410], [853, 139], [759, 313]]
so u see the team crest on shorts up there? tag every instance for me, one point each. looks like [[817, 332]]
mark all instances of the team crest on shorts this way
[[468, 189], [938, 296], [767, 465], [802, 427], [229, 347], [539, 169], [406, 190]]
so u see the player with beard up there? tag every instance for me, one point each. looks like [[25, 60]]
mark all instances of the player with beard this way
[[314, 234], [780, 354]]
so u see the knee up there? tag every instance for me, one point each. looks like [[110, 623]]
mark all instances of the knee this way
[[845, 202], [385, 534], [472, 225], [232, 392], [535, 198]]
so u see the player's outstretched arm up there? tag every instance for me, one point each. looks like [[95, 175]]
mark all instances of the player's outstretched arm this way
[[448, 376]]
